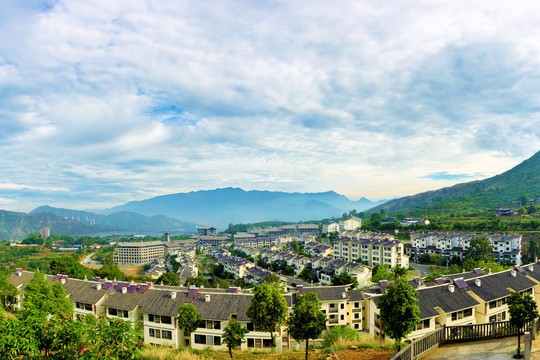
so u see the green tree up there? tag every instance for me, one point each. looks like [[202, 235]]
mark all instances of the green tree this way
[[188, 318], [399, 310], [268, 310], [399, 272], [169, 278], [196, 281], [66, 265], [522, 309], [306, 275], [307, 321], [480, 250], [233, 335], [344, 279]]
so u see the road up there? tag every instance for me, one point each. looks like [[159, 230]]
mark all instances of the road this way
[[424, 269], [296, 280], [88, 261]]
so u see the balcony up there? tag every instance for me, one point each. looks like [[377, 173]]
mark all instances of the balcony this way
[[333, 310], [333, 321]]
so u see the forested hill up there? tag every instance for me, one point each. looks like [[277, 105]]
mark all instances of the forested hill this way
[[499, 190], [18, 225]]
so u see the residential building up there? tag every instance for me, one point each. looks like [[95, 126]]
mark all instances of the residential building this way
[[139, 253], [372, 251], [505, 247]]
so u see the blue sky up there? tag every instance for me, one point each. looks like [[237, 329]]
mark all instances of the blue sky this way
[[104, 102]]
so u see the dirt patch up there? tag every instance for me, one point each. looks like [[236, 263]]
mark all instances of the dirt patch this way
[[132, 270], [364, 354], [360, 354]]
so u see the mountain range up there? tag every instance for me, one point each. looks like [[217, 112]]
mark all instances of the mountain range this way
[[220, 207], [182, 212]]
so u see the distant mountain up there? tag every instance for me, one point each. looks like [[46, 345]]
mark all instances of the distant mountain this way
[[233, 205], [123, 220], [18, 225], [497, 190]]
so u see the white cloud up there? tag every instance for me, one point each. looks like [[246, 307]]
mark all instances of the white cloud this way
[[363, 98]]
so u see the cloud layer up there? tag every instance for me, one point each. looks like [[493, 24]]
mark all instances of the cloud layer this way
[[104, 102]]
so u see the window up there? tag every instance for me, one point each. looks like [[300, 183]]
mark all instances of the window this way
[[342, 317], [497, 303], [166, 334], [423, 325], [343, 306], [458, 315], [357, 315], [217, 340], [113, 312], [250, 326], [200, 339]]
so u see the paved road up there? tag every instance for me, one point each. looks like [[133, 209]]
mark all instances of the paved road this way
[[497, 349], [88, 261], [297, 280], [424, 269]]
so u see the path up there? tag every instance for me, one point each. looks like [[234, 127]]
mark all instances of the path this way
[[496, 349]]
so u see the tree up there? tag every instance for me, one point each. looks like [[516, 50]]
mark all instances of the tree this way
[[399, 272], [307, 321], [188, 318], [307, 275], [399, 310], [480, 249], [233, 335], [196, 281], [522, 309], [169, 278], [66, 265], [268, 310], [344, 279]]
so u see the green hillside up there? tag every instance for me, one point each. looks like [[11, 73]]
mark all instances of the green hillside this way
[[502, 190]]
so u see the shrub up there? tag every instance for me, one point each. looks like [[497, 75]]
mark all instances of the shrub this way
[[338, 333]]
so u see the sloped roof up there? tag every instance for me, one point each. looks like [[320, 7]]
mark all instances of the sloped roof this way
[[496, 286]]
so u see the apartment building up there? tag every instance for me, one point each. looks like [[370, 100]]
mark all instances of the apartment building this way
[[505, 247], [139, 253], [372, 251], [461, 299]]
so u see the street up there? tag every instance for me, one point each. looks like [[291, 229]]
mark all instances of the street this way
[[424, 269]]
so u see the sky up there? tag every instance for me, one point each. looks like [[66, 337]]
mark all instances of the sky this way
[[103, 102]]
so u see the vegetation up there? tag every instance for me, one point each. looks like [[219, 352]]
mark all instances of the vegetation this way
[[522, 309], [268, 310], [307, 321], [480, 250], [399, 311], [188, 318], [169, 278], [233, 335], [44, 328], [336, 333], [345, 279]]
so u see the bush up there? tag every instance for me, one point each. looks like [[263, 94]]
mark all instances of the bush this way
[[336, 333]]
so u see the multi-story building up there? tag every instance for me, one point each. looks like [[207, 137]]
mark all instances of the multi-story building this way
[[206, 230], [461, 299], [138, 253], [505, 247], [372, 251]]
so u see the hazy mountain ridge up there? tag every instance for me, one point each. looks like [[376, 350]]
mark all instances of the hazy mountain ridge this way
[[123, 220], [522, 179], [220, 207], [18, 225]]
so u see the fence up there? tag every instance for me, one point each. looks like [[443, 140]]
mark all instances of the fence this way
[[463, 333]]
